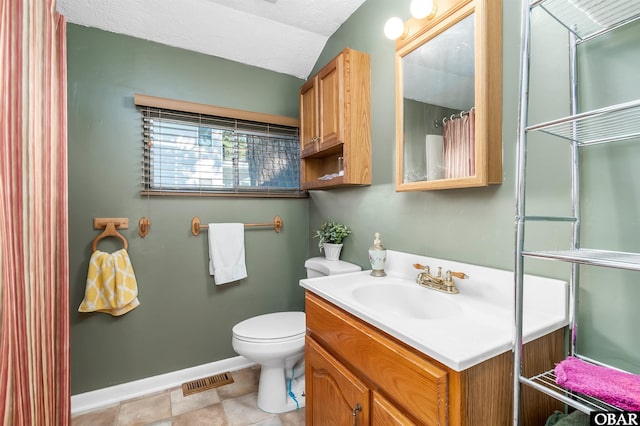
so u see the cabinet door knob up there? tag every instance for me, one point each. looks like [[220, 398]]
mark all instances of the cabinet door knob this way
[[354, 413]]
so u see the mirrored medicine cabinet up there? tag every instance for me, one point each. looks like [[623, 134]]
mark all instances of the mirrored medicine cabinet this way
[[449, 98]]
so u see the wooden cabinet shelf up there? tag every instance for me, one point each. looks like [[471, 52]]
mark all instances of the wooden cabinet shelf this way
[[324, 184], [335, 122], [330, 151]]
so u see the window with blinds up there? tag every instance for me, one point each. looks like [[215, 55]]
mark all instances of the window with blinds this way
[[193, 153]]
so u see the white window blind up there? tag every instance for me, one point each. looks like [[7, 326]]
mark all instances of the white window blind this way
[[187, 152]]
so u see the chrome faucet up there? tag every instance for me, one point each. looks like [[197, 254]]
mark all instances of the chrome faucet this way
[[444, 284]]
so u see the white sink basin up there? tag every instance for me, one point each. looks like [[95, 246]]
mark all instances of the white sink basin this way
[[412, 302], [459, 330]]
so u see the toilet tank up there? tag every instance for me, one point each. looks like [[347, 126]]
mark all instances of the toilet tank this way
[[321, 267]]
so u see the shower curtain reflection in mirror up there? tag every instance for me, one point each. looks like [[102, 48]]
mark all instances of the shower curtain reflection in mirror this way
[[459, 145]]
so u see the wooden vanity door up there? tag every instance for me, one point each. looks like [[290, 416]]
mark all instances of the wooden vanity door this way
[[384, 413], [334, 396]]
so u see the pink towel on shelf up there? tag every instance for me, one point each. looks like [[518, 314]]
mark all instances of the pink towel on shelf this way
[[611, 386]]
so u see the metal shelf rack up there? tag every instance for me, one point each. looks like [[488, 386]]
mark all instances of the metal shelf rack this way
[[546, 383], [594, 257], [610, 124], [584, 20], [588, 19]]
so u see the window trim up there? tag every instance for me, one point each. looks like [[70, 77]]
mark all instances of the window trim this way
[[205, 109], [165, 103]]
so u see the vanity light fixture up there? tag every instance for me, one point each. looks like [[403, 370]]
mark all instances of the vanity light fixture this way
[[394, 28], [422, 8]]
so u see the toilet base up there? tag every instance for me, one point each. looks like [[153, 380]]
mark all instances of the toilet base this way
[[273, 391]]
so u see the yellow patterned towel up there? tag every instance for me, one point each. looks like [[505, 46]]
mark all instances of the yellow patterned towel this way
[[111, 284]]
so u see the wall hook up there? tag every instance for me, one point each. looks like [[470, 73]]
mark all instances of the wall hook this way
[[143, 226]]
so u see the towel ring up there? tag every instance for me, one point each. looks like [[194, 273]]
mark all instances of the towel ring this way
[[109, 231]]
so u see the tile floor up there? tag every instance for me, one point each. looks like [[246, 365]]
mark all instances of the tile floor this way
[[229, 405]]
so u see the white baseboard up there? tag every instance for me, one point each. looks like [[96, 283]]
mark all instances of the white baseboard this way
[[100, 398]]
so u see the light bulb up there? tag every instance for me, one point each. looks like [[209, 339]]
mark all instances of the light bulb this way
[[421, 8], [394, 28]]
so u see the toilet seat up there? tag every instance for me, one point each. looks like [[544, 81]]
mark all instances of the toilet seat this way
[[272, 328]]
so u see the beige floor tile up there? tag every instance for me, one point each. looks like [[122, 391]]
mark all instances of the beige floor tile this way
[[228, 405], [244, 382], [243, 411], [104, 417], [165, 422], [143, 411], [181, 404], [273, 421], [293, 418], [212, 415]]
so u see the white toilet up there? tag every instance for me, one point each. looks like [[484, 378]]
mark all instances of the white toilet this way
[[276, 342]]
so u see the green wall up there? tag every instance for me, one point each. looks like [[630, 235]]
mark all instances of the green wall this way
[[184, 319], [477, 225]]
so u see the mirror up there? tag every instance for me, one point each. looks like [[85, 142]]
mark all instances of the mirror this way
[[449, 98]]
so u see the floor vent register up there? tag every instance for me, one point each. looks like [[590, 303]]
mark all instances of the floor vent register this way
[[206, 383]]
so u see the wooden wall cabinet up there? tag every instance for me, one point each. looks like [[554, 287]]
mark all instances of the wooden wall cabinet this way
[[357, 374], [335, 122]]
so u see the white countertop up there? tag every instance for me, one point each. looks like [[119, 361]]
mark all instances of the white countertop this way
[[458, 330]]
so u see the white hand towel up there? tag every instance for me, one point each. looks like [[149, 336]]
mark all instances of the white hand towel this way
[[226, 252]]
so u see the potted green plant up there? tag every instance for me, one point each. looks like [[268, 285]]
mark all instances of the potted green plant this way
[[330, 237]]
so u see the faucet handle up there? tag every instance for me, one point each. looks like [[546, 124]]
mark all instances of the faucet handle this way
[[460, 275], [425, 268], [448, 280]]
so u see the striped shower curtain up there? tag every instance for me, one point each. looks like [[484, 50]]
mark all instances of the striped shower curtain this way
[[34, 272], [459, 145]]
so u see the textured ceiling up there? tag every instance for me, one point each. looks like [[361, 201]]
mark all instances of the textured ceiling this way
[[285, 36]]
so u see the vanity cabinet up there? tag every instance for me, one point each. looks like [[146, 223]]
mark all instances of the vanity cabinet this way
[[335, 122], [357, 374]]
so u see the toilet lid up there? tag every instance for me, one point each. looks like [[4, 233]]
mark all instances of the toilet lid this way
[[274, 326]]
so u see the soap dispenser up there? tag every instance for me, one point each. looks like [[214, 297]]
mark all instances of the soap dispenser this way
[[377, 257]]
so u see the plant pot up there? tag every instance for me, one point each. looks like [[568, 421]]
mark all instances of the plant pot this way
[[332, 251]]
